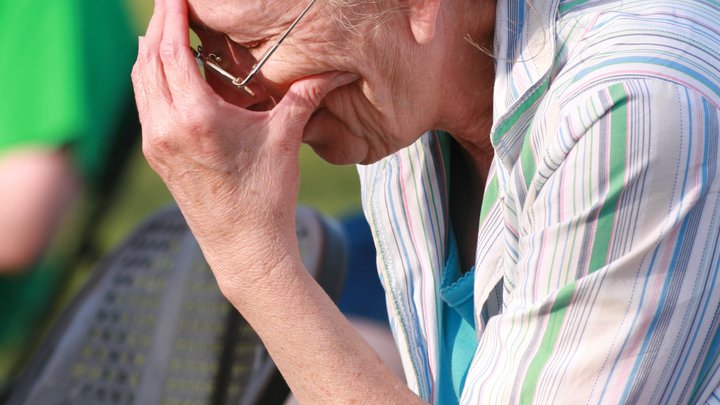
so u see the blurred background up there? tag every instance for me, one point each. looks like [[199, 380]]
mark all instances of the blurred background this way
[[332, 190]]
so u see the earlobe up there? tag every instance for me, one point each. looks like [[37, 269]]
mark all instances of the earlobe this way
[[423, 15]]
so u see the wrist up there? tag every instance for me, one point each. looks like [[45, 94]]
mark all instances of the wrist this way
[[253, 271]]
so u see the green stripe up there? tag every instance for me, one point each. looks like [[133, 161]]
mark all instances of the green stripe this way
[[444, 139], [567, 6], [489, 198], [527, 160], [708, 365], [507, 123], [618, 136], [556, 317], [618, 127]]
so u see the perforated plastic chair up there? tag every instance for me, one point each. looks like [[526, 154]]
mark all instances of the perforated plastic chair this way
[[152, 327]]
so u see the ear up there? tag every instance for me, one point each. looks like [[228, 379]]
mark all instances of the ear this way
[[423, 15]]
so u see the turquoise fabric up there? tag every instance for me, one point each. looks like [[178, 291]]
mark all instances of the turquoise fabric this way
[[458, 339]]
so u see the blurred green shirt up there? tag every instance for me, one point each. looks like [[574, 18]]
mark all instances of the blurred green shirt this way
[[64, 76]]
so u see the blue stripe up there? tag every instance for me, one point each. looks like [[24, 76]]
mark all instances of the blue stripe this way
[[653, 61], [697, 320], [708, 160], [432, 210], [671, 268], [713, 351], [416, 339]]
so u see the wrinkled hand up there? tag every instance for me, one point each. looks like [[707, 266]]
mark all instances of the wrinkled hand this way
[[233, 172]]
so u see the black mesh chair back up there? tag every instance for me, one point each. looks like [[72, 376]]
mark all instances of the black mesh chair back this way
[[152, 327]]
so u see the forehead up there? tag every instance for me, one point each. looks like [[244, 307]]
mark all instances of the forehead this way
[[248, 17]]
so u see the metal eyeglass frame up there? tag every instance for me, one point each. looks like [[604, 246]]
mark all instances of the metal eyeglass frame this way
[[212, 61]]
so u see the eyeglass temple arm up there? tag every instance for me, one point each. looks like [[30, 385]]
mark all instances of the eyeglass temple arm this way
[[217, 69], [256, 67], [214, 66]]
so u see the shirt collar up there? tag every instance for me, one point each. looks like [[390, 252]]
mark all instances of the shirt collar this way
[[524, 53]]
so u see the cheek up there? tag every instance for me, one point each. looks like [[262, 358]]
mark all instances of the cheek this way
[[297, 59], [280, 72]]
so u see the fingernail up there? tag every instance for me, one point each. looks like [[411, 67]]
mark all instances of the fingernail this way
[[344, 78], [140, 39]]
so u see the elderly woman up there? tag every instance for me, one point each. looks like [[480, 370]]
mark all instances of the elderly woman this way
[[541, 179]]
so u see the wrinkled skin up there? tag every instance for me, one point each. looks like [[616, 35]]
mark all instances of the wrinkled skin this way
[[354, 96], [360, 123], [231, 161], [234, 172]]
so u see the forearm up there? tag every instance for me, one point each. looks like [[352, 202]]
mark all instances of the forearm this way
[[320, 354], [235, 175]]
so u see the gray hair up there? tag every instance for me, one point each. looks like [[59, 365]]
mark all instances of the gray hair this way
[[351, 14]]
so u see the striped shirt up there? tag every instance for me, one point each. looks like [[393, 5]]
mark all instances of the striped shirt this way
[[598, 250]]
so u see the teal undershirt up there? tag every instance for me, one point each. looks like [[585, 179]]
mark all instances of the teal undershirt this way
[[458, 339]]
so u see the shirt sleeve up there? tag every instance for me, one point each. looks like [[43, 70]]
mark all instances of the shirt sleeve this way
[[615, 298]]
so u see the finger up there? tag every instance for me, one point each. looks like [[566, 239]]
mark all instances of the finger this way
[[179, 65], [140, 86], [176, 25], [155, 27], [305, 96], [138, 90], [153, 77]]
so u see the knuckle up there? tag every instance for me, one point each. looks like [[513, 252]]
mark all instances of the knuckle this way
[[153, 159], [169, 52], [303, 99], [311, 96], [301, 103], [148, 150], [135, 74], [156, 144], [195, 120], [145, 54]]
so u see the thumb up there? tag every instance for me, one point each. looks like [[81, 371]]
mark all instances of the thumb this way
[[305, 96]]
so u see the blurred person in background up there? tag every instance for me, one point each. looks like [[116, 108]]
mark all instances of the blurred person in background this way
[[66, 104]]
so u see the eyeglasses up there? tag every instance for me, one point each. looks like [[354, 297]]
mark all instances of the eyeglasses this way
[[212, 61]]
